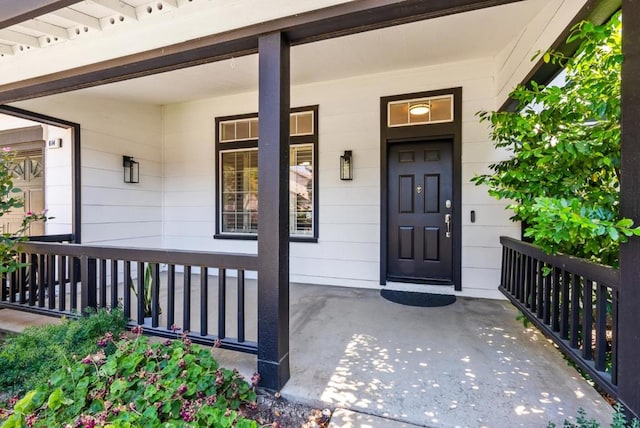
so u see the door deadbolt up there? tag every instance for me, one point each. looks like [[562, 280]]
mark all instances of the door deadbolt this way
[[419, 189], [447, 203]]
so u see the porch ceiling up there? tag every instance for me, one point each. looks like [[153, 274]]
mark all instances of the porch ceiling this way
[[482, 33]]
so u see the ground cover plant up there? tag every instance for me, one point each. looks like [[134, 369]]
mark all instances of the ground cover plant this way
[[619, 420], [173, 383], [28, 359]]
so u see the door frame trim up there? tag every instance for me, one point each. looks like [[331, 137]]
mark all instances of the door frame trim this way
[[437, 131]]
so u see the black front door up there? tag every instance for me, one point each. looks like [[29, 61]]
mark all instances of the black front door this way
[[420, 185]]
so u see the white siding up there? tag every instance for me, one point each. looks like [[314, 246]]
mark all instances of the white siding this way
[[348, 250], [514, 62], [58, 181], [113, 212]]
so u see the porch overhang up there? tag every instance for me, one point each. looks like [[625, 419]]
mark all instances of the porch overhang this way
[[335, 21]]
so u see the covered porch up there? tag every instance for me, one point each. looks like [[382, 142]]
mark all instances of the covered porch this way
[[468, 364], [459, 365]]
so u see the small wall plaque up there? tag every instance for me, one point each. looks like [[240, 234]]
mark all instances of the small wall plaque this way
[[54, 143]]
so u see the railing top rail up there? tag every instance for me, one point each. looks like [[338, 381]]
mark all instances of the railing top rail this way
[[151, 255], [601, 274]]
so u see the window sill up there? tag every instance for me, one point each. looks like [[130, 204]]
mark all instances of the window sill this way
[[231, 236]]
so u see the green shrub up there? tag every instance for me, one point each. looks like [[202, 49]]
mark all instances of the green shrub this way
[[583, 421], [28, 359], [170, 384]]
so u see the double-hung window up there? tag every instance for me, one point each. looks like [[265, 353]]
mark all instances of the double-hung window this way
[[237, 171]]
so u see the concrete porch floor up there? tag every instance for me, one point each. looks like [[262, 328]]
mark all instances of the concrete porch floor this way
[[470, 364]]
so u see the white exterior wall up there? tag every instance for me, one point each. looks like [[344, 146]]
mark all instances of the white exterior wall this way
[[514, 62], [113, 212], [348, 249], [58, 182]]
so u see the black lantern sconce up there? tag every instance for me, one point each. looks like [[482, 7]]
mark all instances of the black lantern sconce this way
[[346, 166], [131, 170]]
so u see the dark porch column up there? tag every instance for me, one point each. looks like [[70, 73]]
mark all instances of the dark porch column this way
[[273, 205], [629, 297]]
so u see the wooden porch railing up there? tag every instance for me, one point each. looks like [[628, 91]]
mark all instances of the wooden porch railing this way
[[573, 301], [65, 279]]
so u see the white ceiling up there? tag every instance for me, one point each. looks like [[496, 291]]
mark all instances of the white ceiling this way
[[478, 34]]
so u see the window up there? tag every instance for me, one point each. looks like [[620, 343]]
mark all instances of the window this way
[[237, 149], [420, 111]]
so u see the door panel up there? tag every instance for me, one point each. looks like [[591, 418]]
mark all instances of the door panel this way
[[28, 176], [420, 181]]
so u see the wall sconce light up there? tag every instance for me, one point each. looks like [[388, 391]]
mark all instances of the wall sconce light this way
[[346, 166], [131, 170]]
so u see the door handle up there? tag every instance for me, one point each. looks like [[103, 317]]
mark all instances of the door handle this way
[[447, 221]]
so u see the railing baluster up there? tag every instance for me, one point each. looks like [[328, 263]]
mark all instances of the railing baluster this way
[[51, 279], [73, 283], [204, 298], [33, 284], [587, 320], [576, 285], [4, 291], [222, 303], [186, 312], [155, 294], [126, 291], [601, 327], [140, 298], [541, 290], [520, 277], [564, 306], [88, 291], [547, 298], [103, 283], [62, 283], [171, 295], [13, 286], [534, 284], [503, 268], [511, 272], [23, 279], [241, 328], [555, 314], [614, 337], [114, 283], [41, 280]]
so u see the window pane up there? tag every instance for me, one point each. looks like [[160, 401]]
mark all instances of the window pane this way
[[240, 191], [301, 190], [305, 123], [242, 130], [398, 114], [228, 131], [254, 128], [441, 109]]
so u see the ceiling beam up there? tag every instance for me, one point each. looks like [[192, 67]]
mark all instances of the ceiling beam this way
[[78, 18], [44, 27], [14, 12], [334, 21], [118, 6], [19, 38]]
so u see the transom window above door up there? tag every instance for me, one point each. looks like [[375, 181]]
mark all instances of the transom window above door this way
[[420, 111], [237, 171]]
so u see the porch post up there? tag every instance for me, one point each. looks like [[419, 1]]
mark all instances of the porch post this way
[[629, 295], [273, 203]]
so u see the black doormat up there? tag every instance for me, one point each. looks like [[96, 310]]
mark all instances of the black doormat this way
[[424, 300]]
